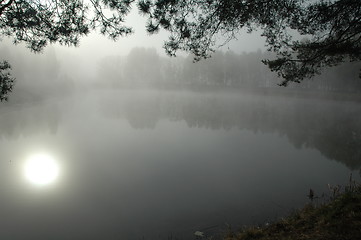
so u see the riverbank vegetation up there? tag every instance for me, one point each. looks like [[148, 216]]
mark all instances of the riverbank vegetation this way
[[337, 218]]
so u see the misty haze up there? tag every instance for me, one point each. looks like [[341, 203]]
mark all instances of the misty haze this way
[[153, 147], [117, 140]]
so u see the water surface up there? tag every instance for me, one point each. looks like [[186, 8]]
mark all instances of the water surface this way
[[155, 164]]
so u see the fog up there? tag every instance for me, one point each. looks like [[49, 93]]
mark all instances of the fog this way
[[153, 147]]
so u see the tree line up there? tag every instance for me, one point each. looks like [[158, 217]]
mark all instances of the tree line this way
[[331, 30], [144, 67], [37, 76]]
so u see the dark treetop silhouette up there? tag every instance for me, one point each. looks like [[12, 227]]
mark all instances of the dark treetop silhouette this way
[[332, 29]]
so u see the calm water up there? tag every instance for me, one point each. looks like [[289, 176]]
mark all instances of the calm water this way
[[154, 164]]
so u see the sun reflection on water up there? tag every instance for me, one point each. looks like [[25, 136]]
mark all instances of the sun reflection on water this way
[[41, 169]]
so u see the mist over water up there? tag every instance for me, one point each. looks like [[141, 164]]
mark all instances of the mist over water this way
[[159, 163], [150, 147]]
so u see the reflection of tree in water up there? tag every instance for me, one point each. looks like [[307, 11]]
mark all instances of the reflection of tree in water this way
[[17, 121], [342, 141], [142, 110], [142, 113], [333, 130], [331, 127]]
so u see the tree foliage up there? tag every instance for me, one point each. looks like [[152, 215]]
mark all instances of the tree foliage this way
[[6, 81], [332, 28], [40, 22]]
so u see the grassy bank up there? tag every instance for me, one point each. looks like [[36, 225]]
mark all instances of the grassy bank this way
[[338, 218]]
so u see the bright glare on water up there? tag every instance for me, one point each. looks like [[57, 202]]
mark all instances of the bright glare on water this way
[[41, 169]]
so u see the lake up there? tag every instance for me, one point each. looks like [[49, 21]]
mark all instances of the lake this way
[[147, 164]]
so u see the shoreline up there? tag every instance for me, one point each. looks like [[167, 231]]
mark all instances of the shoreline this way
[[338, 218]]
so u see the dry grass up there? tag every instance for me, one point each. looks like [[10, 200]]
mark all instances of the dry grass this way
[[336, 219]]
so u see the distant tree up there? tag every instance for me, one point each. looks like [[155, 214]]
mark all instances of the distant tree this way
[[232, 70], [332, 28], [142, 67], [110, 71]]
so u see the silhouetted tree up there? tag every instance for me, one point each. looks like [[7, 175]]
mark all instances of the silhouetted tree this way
[[38, 23], [6, 81], [37, 76], [332, 28]]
